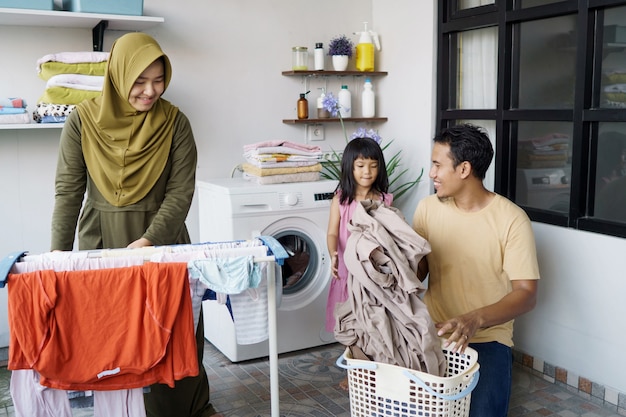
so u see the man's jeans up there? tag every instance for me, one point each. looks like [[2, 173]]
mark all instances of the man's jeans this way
[[491, 396]]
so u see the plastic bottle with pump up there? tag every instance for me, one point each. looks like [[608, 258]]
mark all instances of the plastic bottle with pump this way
[[365, 49], [303, 106], [322, 113], [368, 100], [345, 102]]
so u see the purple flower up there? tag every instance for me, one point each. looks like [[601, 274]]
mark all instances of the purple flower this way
[[369, 133], [341, 45], [331, 103]]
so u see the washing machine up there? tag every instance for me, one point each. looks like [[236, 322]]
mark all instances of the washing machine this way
[[295, 214], [544, 188]]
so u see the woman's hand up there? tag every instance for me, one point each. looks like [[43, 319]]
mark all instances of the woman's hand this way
[[139, 243]]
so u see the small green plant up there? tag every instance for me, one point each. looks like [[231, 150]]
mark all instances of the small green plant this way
[[332, 166]]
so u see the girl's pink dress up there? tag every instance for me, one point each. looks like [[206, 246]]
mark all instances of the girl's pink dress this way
[[338, 292]]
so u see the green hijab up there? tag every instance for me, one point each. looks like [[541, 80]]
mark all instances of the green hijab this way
[[126, 150]]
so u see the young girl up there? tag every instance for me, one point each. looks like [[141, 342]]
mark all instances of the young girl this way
[[363, 177]]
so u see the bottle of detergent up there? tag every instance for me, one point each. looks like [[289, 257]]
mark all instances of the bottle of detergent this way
[[322, 113], [345, 102], [368, 102], [365, 49]]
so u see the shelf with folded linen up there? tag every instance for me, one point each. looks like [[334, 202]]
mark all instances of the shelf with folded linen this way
[[13, 111], [278, 161], [548, 151], [71, 77]]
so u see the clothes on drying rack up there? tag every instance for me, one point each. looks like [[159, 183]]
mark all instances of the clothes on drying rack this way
[[151, 340], [30, 398], [76, 264]]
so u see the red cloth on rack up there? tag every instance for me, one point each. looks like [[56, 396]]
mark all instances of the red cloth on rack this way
[[104, 329]]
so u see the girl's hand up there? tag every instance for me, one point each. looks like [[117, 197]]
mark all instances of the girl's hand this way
[[334, 262]]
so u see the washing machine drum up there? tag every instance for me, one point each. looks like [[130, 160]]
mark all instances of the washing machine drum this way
[[299, 269]]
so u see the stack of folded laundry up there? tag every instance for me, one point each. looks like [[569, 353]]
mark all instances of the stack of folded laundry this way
[[614, 91], [549, 151], [13, 111], [278, 161], [71, 77]]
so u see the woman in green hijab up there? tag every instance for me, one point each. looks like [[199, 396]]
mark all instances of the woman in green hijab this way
[[134, 155]]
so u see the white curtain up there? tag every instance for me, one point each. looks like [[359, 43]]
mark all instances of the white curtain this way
[[477, 76], [478, 68], [467, 4]]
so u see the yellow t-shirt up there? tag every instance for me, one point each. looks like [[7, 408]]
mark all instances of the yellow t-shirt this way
[[474, 258]]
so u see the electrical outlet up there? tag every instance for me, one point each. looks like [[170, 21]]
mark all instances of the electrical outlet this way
[[315, 132], [332, 156]]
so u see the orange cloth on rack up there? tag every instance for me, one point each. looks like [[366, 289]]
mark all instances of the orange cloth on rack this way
[[103, 329]]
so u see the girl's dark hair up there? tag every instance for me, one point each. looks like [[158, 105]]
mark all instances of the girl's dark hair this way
[[365, 148], [468, 143]]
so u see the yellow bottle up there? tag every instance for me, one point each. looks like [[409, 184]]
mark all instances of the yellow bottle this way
[[365, 56], [365, 49]]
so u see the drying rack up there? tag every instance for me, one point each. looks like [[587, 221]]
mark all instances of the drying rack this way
[[276, 255]]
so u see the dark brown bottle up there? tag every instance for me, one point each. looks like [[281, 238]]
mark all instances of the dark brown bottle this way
[[303, 107]]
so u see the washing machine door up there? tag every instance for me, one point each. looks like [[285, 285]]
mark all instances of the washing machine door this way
[[306, 273]]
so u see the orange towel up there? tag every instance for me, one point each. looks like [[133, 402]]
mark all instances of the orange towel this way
[[105, 329]]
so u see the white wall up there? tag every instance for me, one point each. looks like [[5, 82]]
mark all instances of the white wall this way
[[578, 322], [227, 58]]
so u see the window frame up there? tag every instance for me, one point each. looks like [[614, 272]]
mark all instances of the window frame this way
[[585, 115]]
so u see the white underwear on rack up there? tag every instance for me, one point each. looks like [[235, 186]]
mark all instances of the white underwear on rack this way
[[196, 287], [30, 398]]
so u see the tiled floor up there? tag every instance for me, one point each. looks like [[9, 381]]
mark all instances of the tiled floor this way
[[309, 388]]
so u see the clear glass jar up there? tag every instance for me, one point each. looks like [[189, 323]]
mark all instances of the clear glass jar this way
[[299, 58]]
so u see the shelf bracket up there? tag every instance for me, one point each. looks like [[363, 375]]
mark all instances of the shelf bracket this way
[[98, 35]]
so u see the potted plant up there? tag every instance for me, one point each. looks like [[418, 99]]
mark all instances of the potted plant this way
[[340, 49], [332, 164]]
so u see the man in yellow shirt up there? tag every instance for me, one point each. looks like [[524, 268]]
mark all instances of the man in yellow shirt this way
[[482, 271]]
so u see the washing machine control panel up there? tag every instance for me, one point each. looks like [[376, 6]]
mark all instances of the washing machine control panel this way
[[323, 196], [291, 199]]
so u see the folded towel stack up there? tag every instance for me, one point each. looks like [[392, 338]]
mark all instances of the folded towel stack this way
[[71, 77], [549, 151], [13, 111], [279, 161]]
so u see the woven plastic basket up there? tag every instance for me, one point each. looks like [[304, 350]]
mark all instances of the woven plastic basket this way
[[378, 389]]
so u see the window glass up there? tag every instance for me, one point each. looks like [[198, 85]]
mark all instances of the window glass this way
[[490, 128], [544, 165], [468, 4], [610, 197], [547, 63], [524, 4], [613, 81], [477, 70]]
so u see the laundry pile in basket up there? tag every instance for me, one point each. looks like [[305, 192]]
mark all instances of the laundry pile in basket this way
[[396, 363], [383, 315], [279, 161], [71, 77]]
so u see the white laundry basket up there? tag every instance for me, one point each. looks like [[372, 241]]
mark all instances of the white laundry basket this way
[[380, 390]]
